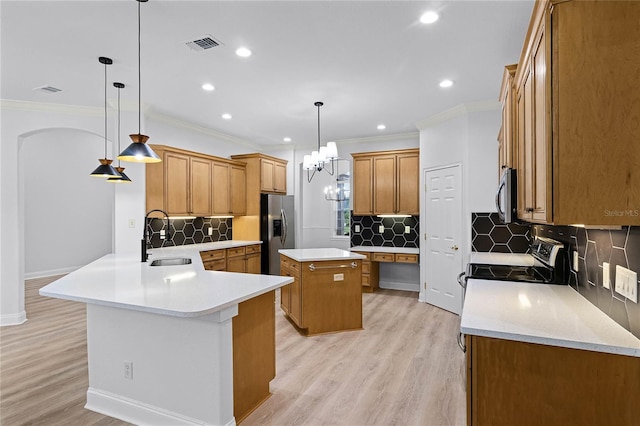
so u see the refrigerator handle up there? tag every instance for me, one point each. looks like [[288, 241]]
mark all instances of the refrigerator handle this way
[[283, 235]]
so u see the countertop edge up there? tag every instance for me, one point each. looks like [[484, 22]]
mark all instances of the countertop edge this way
[[377, 249]]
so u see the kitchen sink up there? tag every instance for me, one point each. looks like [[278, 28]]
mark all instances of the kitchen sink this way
[[171, 261]]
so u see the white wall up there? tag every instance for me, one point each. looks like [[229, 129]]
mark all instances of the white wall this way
[[55, 166], [466, 135]]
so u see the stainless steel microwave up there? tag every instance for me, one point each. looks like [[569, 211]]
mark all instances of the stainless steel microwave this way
[[506, 201]]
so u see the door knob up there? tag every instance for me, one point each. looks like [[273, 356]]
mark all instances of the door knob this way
[[454, 248]]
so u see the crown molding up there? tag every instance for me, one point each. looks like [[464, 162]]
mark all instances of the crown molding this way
[[457, 111], [371, 139], [15, 105]]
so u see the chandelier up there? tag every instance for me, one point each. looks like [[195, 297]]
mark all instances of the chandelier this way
[[321, 159]]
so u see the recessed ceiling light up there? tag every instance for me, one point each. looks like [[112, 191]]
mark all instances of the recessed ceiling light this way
[[208, 87], [381, 127], [429, 17], [446, 83], [226, 116], [287, 139], [243, 52]]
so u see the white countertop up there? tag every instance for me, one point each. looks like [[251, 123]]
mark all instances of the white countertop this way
[[121, 280], [320, 254], [548, 314], [513, 259], [376, 249]]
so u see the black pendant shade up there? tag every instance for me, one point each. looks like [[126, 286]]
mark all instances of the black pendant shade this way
[[122, 177], [105, 169]]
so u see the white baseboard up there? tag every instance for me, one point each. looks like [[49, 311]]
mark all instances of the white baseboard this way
[[136, 412], [13, 319], [389, 285], [49, 273]]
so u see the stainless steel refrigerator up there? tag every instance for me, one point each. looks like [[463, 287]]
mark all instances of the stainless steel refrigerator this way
[[277, 230]]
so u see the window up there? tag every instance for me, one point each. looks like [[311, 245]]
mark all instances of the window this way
[[341, 210]]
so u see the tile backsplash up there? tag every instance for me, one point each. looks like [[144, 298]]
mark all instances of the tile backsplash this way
[[365, 231], [489, 234], [594, 247], [188, 231]]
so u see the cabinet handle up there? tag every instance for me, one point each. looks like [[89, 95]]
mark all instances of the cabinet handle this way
[[313, 267], [454, 248], [461, 344], [529, 210]]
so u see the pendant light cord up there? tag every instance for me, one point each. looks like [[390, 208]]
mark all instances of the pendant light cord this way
[[319, 105], [105, 111], [139, 79], [118, 124]]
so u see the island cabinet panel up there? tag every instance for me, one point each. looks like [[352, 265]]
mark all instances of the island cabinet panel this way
[[254, 349], [386, 182], [577, 131], [326, 295], [518, 383]]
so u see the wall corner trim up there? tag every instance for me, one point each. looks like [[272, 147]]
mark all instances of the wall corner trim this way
[[457, 111]]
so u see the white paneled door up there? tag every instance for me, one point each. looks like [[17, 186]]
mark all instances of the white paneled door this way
[[443, 218]]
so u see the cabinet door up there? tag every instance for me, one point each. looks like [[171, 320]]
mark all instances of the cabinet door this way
[[200, 186], [267, 170], [176, 182], [221, 188], [295, 307], [236, 264], [408, 168], [253, 264], [384, 184], [363, 186], [238, 190], [285, 291], [525, 148], [540, 137], [280, 178]]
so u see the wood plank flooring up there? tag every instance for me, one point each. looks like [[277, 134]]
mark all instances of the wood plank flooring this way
[[404, 368]]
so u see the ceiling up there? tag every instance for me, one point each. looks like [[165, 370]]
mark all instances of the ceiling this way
[[370, 62]]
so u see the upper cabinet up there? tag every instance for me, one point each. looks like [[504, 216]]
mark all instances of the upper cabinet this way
[[507, 138], [577, 113], [194, 184], [386, 182], [273, 173]]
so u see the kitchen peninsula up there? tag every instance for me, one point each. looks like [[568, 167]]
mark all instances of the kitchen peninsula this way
[[325, 295], [160, 341]]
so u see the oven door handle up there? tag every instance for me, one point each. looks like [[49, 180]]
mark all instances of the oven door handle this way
[[462, 281]]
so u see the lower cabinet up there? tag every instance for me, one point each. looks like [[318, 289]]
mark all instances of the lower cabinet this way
[[371, 266], [517, 383], [324, 298], [254, 331]]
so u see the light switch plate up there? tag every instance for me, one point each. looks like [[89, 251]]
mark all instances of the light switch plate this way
[[381, 229], [357, 228], [210, 231], [606, 276], [407, 229], [575, 261], [627, 283]]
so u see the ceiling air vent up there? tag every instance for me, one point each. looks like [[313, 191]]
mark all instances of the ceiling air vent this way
[[203, 43], [47, 89]]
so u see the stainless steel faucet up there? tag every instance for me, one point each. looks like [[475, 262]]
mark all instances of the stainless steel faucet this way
[[144, 241]]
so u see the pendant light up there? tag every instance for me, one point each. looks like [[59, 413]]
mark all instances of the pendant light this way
[[139, 151], [123, 178], [319, 159], [105, 169]]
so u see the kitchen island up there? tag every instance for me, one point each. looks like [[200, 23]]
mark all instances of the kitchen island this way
[[325, 295], [159, 338], [543, 354]]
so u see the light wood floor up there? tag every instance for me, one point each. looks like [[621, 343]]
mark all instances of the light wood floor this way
[[404, 368]]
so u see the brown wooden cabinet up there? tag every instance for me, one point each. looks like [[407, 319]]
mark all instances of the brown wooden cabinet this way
[[214, 260], [577, 156], [324, 298], [371, 266], [188, 183], [507, 149], [386, 182], [244, 259], [560, 386]]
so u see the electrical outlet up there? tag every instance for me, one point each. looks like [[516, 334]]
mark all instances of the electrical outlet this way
[[162, 234], [128, 370], [575, 261], [381, 229], [407, 229], [357, 228], [132, 223], [338, 277], [606, 276], [210, 231], [627, 283]]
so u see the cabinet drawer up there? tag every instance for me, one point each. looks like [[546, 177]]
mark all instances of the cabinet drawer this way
[[366, 267], [211, 255], [215, 265], [407, 258], [236, 251], [367, 255], [383, 257], [291, 265], [366, 280], [252, 249]]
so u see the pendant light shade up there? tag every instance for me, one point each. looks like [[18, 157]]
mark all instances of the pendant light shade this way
[[138, 151], [122, 178], [105, 169]]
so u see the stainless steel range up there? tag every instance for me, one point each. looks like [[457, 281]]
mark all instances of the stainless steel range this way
[[546, 263]]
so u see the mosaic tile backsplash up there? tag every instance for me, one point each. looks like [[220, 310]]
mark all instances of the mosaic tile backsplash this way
[[489, 234], [595, 246], [188, 231], [394, 234]]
